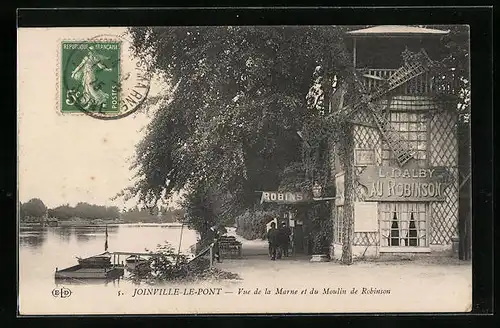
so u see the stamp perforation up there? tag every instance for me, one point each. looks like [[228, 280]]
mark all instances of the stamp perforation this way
[[139, 89]]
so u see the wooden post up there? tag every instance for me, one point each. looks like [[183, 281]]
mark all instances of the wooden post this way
[[333, 208], [354, 53], [347, 232], [211, 255], [180, 243], [464, 192]]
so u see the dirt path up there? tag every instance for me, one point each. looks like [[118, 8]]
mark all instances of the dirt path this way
[[437, 284]]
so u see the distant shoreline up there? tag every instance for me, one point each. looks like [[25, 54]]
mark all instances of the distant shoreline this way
[[79, 224]]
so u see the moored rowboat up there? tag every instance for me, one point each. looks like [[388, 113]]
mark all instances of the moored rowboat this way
[[79, 272], [97, 261], [134, 261]]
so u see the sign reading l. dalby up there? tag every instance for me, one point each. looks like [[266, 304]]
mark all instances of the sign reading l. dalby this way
[[385, 183]]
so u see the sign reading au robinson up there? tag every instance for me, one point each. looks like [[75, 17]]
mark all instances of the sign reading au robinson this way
[[386, 183]]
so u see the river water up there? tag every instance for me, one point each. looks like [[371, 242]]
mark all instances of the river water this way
[[43, 249]]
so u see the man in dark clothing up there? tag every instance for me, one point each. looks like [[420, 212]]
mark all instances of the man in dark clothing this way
[[284, 239], [213, 236], [272, 238]]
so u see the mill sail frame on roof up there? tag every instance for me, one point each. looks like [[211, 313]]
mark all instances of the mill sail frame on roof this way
[[415, 65], [402, 116]]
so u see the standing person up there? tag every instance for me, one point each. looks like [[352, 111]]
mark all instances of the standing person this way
[[272, 238], [213, 236], [284, 239]]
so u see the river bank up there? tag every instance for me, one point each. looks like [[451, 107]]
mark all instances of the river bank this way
[[86, 224]]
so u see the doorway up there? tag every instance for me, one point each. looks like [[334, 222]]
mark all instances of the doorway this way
[[298, 239]]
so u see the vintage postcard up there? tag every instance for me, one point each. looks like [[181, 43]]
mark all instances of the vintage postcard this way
[[244, 169]]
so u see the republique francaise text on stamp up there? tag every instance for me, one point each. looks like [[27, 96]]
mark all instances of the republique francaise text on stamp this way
[[100, 77]]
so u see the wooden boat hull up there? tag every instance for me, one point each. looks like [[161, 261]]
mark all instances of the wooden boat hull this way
[[97, 261], [94, 263], [133, 262], [81, 273]]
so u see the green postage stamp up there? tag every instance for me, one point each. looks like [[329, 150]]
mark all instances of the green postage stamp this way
[[90, 76]]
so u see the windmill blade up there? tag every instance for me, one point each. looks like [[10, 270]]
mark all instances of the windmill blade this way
[[374, 77], [401, 152], [414, 67]]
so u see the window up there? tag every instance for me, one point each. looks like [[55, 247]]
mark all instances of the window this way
[[403, 224], [339, 225], [412, 129]]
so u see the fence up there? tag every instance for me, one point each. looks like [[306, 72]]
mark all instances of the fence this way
[[427, 83]]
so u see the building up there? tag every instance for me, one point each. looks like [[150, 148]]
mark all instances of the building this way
[[405, 183]]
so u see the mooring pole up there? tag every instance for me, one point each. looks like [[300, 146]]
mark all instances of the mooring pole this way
[[211, 255], [106, 242], [180, 243]]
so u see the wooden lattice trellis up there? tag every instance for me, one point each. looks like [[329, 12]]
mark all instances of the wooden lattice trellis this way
[[444, 152], [366, 136], [441, 150]]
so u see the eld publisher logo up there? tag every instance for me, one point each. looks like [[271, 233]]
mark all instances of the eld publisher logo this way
[[62, 292]]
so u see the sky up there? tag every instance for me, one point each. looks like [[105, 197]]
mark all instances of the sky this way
[[67, 158]]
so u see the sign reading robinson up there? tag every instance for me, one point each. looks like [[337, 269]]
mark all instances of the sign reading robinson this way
[[284, 197], [385, 183]]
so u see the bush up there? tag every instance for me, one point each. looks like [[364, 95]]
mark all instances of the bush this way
[[322, 229], [252, 224], [167, 265]]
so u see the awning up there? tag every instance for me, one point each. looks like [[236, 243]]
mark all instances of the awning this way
[[396, 30]]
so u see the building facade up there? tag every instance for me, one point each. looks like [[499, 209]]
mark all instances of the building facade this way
[[408, 206]]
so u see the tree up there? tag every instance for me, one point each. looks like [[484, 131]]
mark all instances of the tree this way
[[34, 208], [139, 215], [112, 212], [200, 209], [22, 214], [230, 127], [457, 58], [63, 212], [232, 123], [84, 211]]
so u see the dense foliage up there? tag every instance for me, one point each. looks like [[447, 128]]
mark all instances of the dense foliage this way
[[232, 124], [457, 58], [251, 224], [156, 215], [169, 265], [34, 208], [84, 211], [241, 95]]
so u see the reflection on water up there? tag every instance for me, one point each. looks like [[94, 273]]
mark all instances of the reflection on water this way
[[32, 239], [82, 237], [42, 249], [96, 283], [64, 233]]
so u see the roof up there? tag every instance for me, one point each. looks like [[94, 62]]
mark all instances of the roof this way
[[397, 30]]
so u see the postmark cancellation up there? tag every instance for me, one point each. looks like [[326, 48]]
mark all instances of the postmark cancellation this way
[[101, 77]]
